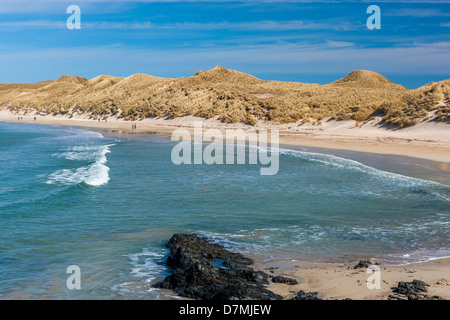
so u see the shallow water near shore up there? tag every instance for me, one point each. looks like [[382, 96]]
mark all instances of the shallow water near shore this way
[[109, 203]]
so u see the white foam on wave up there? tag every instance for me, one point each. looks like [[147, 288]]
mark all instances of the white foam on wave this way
[[418, 256], [384, 176], [147, 266], [71, 134], [83, 153], [95, 174], [309, 239], [343, 163]]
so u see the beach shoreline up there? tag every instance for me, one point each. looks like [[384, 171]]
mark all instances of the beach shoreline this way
[[429, 141], [339, 278]]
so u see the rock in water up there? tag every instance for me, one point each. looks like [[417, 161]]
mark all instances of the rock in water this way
[[207, 271]]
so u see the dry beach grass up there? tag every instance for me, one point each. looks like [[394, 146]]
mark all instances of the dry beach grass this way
[[232, 97]]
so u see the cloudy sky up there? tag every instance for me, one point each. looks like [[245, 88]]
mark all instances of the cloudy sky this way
[[307, 41]]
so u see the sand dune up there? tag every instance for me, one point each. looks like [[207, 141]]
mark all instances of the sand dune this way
[[233, 97], [365, 78]]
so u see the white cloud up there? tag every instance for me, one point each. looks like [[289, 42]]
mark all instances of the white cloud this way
[[266, 25], [417, 12], [118, 25], [30, 24]]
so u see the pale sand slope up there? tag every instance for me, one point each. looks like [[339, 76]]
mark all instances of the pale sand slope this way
[[426, 140], [340, 281]]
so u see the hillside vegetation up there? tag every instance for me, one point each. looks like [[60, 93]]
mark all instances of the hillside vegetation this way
[[232, 96]]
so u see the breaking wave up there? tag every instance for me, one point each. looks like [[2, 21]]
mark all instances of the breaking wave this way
[[96, 173]]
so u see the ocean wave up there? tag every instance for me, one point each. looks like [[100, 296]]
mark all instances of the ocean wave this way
[[347, 164], [146, 264], [417, 256], [94, 174], [413, 185], [320, 241], [83, 153], [146, 267], [71, 134]]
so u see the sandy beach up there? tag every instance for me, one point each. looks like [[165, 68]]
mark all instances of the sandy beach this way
[[429, 140], [340, 281]]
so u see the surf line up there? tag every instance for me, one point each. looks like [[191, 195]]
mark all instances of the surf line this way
[[236, 142]]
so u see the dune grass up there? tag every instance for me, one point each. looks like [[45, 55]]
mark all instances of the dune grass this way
[[233, 97]]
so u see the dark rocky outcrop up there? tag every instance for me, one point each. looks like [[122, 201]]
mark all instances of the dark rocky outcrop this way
[[207, 271], [285, 280], [414, 290], [364, 264], [302, 295]]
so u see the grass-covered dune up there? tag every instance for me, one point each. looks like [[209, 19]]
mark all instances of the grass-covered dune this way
[[232, 96]]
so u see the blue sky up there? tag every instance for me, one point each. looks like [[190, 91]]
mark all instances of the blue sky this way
[[307, 41]]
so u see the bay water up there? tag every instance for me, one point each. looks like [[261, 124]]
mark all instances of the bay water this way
[[109, 203]]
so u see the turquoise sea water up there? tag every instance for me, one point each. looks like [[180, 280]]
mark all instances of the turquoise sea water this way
[[109, 204]]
